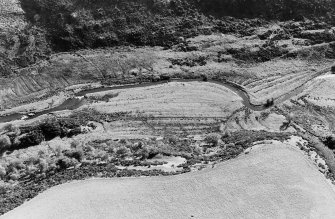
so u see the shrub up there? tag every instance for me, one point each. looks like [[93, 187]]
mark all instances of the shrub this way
[[9, 128], [42, 165], [143, 153], [5, 143], [31, 139], [197, 150], [4, 187], [3, 172], [123, 151], [226, 134], [172, 139], [51, 129], [74, 132], [76, 145], [137, 146], [153, 152], [15, 165], [329, 141], [212, 139], [77, 154], [14, 176], [333, 69], [66, 162]]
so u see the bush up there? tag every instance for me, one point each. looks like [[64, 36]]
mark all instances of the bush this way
[[31, 139], [137, 146], [123, 151], [172, 139], [66, 162], [143, 153], [15, 165], [5, 143], [77, 154], [43, 165], [212, 139], [3, 172], [74, 132], [10, 128], [330, 142], [76, 145], [4, 187], [51, 129], [333, 69]]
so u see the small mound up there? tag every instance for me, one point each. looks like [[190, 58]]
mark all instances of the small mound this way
[[272, 181]]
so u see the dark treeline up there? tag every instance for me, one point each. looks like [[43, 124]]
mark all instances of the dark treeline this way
[[269, 9], [73, 24]]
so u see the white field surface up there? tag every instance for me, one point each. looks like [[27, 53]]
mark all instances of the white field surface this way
[[322, 93], [175, 99], [272, 181]]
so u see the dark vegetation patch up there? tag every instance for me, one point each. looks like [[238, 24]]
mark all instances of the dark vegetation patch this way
[[263, 54], [190, 62], [281, 10], [92, 24], [329, 141], [86, 115], [27, 136], [104, 98], [246, 138], [96, 23]]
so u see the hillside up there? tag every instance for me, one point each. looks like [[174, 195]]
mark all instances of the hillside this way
[[91, 24]]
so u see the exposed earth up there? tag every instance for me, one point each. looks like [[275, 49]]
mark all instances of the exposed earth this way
[[221, 116]]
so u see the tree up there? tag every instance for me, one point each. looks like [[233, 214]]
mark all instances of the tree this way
[[51, 129], [212, 139], [5, 143], [330, 142], [3, 172], [333, 69]]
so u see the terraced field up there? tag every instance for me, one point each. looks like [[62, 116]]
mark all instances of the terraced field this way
[[278, 86]]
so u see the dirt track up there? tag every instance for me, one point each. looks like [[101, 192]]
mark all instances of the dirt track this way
[[273, 181]]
